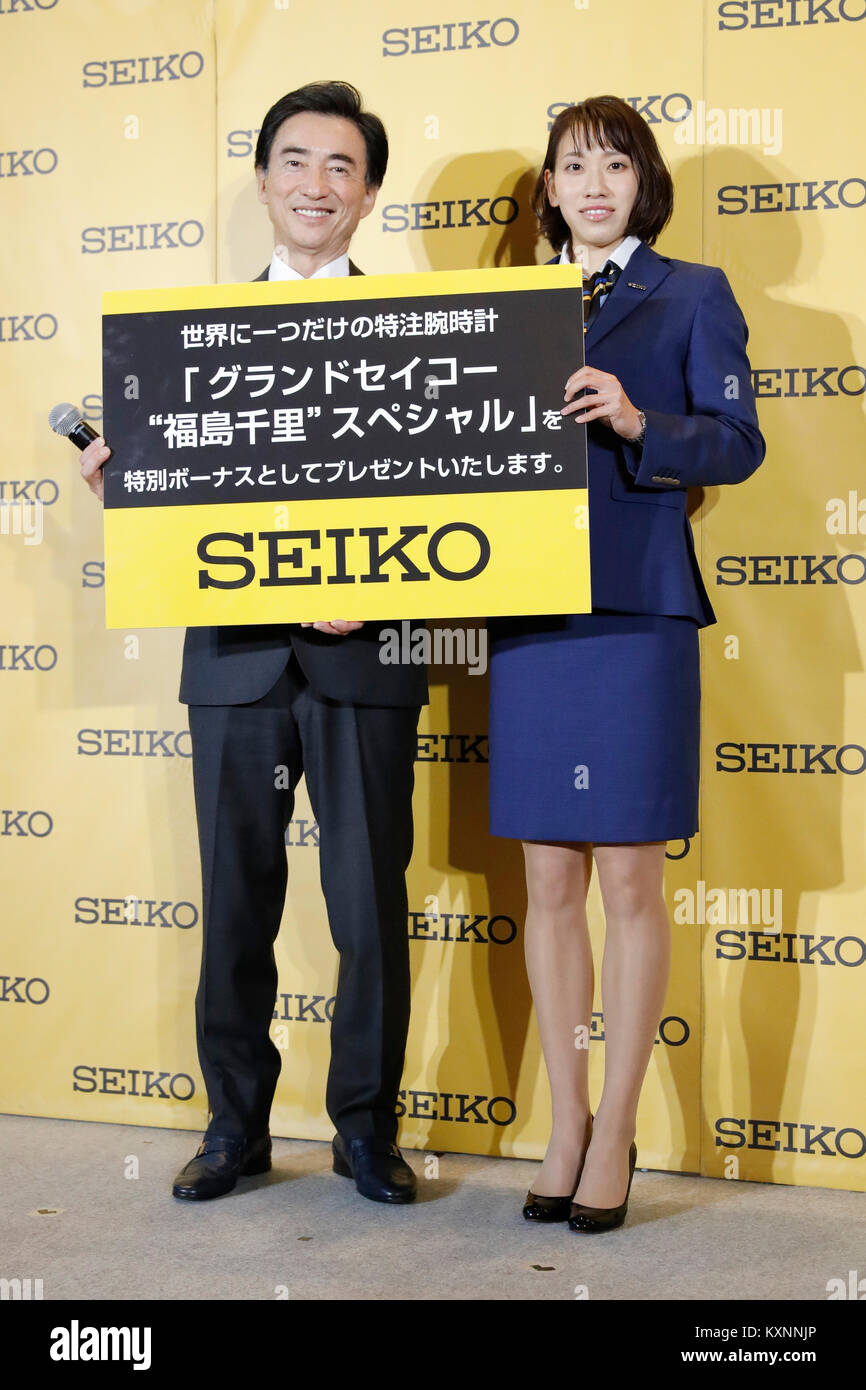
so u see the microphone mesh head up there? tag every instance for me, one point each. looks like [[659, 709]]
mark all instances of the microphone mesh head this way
[[63, 418]]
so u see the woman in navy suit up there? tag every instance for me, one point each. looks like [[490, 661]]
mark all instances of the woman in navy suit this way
[[594, 729]]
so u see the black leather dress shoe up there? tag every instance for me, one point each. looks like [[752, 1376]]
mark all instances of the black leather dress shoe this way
[[378, 1168], [218, 1164]]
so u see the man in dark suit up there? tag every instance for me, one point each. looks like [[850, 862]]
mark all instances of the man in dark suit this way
[[270, 703]]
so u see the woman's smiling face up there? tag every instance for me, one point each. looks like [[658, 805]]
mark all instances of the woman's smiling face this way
[[595, 188]]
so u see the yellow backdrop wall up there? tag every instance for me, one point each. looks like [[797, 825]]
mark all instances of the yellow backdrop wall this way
[[128, 130]]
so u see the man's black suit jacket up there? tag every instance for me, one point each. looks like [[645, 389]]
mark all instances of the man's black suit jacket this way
[[237, 665]]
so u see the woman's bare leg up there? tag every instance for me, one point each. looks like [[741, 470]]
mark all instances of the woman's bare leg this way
[[559, 965], [634, 980]]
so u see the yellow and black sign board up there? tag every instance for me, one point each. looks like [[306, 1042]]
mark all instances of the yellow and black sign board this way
[[367, 447]]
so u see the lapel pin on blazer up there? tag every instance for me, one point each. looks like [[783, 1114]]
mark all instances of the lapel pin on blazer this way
[[633, 285]]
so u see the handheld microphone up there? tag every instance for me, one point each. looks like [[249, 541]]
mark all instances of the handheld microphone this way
[[67, 420]]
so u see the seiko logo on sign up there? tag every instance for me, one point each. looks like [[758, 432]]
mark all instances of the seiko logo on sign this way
[[461, 926], [791, 569], [23, 328], [790, 949], [809, 382], [450, 38], [774, 14], [135, 912], [849, 758], [43, 490], [37, 823], [822, 1141], [118, 1081], [305, 1008], [134, 743], [17, 989], [122, 72], [462, 1109], [450, 215], [673, 107], [372, 555], [15, 163], [16, 6], [813, 196], [452, 748], [142, 236], [15, 658]]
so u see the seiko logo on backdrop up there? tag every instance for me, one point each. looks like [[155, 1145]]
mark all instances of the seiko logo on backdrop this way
[[677, 849], [673, 107], [791, 569], [16, 6], [813, 196], [134, 743], [15, 658], [450, 38], [673, 1030], [789, 1137], [809, 382], [461, 1109], [142, 236], [305, 1008], [17, 989], [452, 748], [18, 328], [240, 144], [120, 1081], [461, 926], [303, 834], [35, 823], [122, 72], [17, 163], [789, 948], [849, 758], [133, 911], [93, 574], [450, 215], [774, 14], [43, 490]]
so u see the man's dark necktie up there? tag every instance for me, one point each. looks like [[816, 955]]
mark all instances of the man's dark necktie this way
[[601, 283]]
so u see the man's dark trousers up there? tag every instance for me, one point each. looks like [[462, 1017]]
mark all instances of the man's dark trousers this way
[[358, 759]]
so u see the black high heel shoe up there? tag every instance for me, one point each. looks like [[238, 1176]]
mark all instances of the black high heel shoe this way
[[591, 1220], [540, 1208]]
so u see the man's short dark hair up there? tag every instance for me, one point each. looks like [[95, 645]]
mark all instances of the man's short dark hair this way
[[610, 123], [328, 99]]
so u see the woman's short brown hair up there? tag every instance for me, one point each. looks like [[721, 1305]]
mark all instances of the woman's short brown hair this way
[[610, 123]]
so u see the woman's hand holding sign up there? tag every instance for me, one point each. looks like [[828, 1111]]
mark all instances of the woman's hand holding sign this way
[[609, 402]]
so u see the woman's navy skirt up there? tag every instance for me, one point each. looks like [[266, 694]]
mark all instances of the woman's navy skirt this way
[[594, 728]]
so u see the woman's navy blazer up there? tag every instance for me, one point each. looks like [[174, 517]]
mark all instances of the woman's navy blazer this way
[[674, 335]]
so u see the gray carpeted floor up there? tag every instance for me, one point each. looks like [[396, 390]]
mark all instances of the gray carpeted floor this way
[[72, 1218]]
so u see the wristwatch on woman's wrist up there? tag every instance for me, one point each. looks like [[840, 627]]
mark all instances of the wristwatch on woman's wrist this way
[[640, 438]]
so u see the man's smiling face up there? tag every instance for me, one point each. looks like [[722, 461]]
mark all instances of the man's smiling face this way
[[315, 188]]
